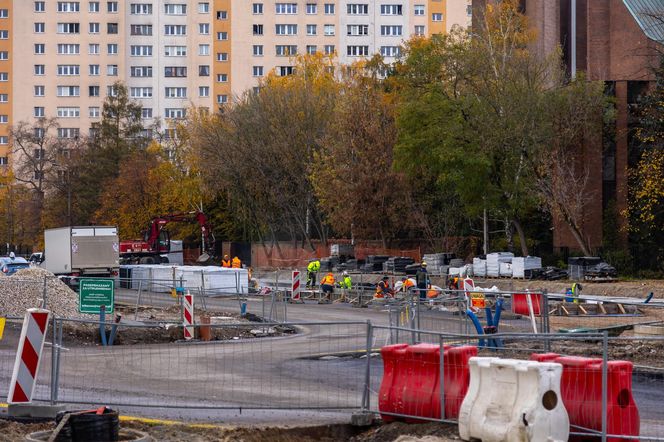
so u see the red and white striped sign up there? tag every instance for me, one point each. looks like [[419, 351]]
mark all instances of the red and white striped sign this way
[[296, 287], [28, 355], [188, 316]]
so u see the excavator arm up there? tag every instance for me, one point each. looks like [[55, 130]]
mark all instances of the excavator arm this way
[[157, 224]]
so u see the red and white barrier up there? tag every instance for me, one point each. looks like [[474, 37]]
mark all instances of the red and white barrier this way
[[296, 287], [188, 316], [28, 356]]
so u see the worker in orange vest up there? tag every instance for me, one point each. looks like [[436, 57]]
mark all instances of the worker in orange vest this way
[[383, 289], [327, 285], [236, 264], [226, 262], [406, 284]]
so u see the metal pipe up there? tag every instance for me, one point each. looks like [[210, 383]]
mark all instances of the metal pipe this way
[[366, 399], [605, 379], [442, 379], [53, 347]]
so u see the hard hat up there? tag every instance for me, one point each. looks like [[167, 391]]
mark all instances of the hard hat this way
[[12, 255], [345, 273], [424, 264], [225, 256]]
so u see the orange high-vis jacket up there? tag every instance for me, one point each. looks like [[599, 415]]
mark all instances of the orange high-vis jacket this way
[[226, 263], [237, 263], [328, 279]]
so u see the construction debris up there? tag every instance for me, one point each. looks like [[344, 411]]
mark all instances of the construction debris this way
[[26, 288]]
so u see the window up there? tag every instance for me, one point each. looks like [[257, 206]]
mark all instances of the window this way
[[146, 112], [257, 71], [112, 6], [311, 29], [140, 92], [222, 15], [311, 49], [419, 30], [4, 98], [203, 8], [112, 48], [4, 161], [68, 49], [357, 30], [40, 48], [40, 91], [391, 30], [283, 71], [175, 71], [437, 16], [68, 28], [469, 10], [141, 50], [258, 50], [69, 112], [140, 9], [93, 49], [174, 51], [391, 10], [221, 99], [140, 30], [111, 28], [4, 76], [112, 91], [222, 78], [40, 69], [329, 29], [68, 132], [175, 9], [222, 36], [93, 69], [4, 13], [140, 71], [4, 119], [357, 51], [175, 30], [222, 56], [68, 91], [38, 112], [203, 49], [258, 29], [286, 8], [329, 8], [203, 71], [93, 7], [257, 8], [312, 8], [93, 112], [176, 92], [40, 28], [68, 7], [4, 35], [112, 70], [4, 139], [390, 51], [4, 55], [40, 6], [203, 91], [286, 50], [93, 28], [69, 69], [357, 9], [419, 9], [204, 28], [329, 50], [175, 112]]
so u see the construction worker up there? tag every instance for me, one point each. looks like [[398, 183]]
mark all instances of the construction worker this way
[[383, 289], [312, 270], [327, 286], [236, 263], [226, 262], [406, 284], [576, 292], [422, 280], [346, 282]]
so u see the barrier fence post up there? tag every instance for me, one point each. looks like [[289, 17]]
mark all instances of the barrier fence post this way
[[138, 299], [411, 322], [442, 378], [546, 327], [57, 360], [44, 294], [366, 399], [605, 378], [54, 339], [417, 312]]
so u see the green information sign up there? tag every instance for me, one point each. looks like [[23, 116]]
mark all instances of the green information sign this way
[[93, 293]]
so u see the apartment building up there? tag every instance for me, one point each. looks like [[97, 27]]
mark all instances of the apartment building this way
[[60, 58]]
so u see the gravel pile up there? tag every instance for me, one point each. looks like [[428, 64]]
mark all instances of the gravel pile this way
[[24, 290]]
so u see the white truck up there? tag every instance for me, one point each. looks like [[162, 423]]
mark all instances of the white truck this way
[[87, 251]]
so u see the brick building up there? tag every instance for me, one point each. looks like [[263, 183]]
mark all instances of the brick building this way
[[615, 41]]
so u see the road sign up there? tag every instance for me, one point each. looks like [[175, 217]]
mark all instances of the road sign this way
[[93, 293]]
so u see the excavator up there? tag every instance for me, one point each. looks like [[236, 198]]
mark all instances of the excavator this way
[[156, 240]]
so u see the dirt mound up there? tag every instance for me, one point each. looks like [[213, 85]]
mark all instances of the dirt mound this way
[[25, 289]]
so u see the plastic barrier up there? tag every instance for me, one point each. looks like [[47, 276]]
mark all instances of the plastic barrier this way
[[188, 316], [513, 400], [581, 388], [520, 303], [411, 380], [28, 356]]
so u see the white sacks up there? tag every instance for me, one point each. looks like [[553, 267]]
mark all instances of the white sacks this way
[[511, 400]]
